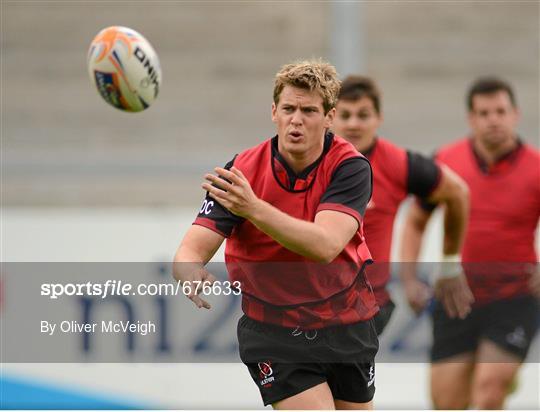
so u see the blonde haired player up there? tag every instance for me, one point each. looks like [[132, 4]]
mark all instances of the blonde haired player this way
[[291, 209]]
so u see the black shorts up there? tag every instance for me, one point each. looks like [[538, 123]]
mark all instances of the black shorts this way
[[509, 323], [284, 362], [382, 318]]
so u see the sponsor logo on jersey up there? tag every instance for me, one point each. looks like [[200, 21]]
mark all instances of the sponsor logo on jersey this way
[[206, 207]]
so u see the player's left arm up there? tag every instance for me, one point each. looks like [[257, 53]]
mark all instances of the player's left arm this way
[[439, 185], [322, 240], [453, 193]]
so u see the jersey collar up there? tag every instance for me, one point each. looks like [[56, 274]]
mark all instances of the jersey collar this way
[[286, 177], [501, 164]]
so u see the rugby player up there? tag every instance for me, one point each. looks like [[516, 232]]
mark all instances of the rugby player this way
[[396, 173], [291, 209], [474, 360]]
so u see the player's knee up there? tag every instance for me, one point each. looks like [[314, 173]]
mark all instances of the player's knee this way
[[490, 392], [448, 390], [444, 399]]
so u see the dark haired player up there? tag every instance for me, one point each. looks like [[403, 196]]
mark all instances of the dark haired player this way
[[397, 173], [475, 360]]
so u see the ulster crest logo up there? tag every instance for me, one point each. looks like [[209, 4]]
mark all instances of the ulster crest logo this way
[[265, 373]]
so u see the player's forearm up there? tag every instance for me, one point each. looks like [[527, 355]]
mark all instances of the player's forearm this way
[[185, 262], [196, 249], [193, 251], [411, 241], [454, 194], [299, 236], [185, 254], [455, 223]]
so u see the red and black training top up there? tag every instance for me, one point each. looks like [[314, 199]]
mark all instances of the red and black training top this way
[[498, 252], [280, 286], [396, 173]]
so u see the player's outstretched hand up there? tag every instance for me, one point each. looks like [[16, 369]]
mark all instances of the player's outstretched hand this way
[[418, 294], [232, 190], [193, 278], [455, 295]]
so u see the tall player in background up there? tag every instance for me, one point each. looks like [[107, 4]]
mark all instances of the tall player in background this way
[[291, 209], [475, 360], [397, 173]]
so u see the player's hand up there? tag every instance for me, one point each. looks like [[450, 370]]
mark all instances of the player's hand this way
[[534, 282], [192, 277], [232, 190], [455, 295], [418, 295]]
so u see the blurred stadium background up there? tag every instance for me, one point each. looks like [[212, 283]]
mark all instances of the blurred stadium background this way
[[82, 181]]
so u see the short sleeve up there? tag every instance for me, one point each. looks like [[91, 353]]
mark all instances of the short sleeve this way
[[216, 217], [422, 200], [423, 174], [350, 188]]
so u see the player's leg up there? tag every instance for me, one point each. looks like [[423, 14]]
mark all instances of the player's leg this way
[[353, 385], [493, 376], [353, 406], [510, 328], [283, 367], [451, 382], [352, 377], [316, 398], [452, 355]]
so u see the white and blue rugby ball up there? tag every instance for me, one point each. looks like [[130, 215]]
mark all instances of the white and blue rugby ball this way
[[125, 68]]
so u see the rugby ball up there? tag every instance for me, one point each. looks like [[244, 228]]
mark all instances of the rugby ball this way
[[125, 68]]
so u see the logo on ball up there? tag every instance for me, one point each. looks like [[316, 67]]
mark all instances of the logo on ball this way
[[124, 68]]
